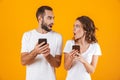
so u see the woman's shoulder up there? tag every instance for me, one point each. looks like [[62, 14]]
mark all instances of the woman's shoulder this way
[[96, 47], [70, 41], [95, 44]]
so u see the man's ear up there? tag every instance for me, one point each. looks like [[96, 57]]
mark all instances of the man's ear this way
[[40, 19]]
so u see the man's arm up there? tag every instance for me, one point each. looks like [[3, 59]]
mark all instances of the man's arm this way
[[54, 61], [28, 57]]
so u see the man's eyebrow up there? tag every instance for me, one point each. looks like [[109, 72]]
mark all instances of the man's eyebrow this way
[[51, 16]]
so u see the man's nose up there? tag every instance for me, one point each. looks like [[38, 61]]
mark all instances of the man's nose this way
[[52, 21]]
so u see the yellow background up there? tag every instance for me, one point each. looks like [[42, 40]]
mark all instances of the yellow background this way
[[18, 16]]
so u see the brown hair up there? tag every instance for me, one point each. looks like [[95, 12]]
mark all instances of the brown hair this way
[[41, 10], [89, 27]]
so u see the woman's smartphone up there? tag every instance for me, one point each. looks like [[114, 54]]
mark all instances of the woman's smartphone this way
[[76, 47], [42, 40]]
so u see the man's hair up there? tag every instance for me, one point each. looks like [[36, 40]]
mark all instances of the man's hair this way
[[89, 27], [41, 10]]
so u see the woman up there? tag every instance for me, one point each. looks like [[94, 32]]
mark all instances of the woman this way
[[80, 66]]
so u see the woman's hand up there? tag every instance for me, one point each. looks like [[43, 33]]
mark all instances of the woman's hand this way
[[73, 53], [80, 58], [68, 59]]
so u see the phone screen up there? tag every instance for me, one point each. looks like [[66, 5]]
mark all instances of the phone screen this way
[[76, 47], [42, 40]]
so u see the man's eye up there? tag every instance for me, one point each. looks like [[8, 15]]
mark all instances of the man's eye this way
[[49, 17]]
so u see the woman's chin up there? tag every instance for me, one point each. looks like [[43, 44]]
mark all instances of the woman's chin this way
[[76, 38]]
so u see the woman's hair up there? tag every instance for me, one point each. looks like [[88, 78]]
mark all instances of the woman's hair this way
[[89, 27]]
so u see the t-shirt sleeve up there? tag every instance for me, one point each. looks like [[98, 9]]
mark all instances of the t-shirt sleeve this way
[[97, 49], [67, 47], [59, 45], [24, 46]]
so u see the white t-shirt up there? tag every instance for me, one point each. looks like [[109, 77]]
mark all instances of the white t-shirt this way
[[78, 71], [40, 69]]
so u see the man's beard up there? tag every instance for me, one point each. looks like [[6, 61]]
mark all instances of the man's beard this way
[[45, 27]]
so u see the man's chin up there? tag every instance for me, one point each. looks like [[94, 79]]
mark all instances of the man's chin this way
[[46, 28], [49, 30]]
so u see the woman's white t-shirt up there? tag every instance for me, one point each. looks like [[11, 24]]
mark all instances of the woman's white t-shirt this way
[[78, 71]]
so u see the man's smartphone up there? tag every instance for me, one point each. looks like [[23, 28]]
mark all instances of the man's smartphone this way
[[42, 40], [76, 47]]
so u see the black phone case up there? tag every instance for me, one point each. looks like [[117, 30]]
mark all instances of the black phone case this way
[[42, 40], [76, 47]]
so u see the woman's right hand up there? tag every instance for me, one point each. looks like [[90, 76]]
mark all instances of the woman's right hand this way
[[73, 53], [68, 59]]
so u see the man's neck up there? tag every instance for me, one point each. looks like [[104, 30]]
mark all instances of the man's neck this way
[[40, 30]]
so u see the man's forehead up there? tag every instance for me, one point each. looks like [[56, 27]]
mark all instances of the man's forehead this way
[[49, 13]]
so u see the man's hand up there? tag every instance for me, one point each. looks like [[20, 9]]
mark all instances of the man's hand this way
[[28, 58], [39, 49]]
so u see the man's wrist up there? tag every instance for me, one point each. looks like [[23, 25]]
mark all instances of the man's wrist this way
[[33, 53], [48, 57]]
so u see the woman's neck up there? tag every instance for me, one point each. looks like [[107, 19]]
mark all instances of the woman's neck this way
[[82, 42], [84, 45]]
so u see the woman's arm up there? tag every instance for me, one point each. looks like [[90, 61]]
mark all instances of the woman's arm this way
[[68, 59], [89, 67]]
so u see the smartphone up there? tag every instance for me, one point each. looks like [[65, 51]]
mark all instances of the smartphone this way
[[42, 40], [76, 47]]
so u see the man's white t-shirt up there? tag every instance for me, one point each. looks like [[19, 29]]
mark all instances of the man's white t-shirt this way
[[40, 69], [78, 71]]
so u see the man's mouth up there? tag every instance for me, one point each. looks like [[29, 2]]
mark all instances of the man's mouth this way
[[74, 34], [50, 26]]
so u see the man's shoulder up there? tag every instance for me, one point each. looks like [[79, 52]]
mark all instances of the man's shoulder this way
[[29, 32]]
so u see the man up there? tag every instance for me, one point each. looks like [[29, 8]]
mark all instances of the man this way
[[41, 60]]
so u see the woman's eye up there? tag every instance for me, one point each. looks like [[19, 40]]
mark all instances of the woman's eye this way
[[77, 26]]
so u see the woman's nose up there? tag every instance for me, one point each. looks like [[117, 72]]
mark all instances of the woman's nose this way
[[74, 30]]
